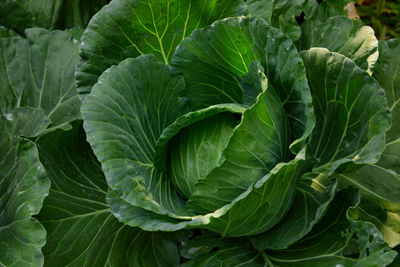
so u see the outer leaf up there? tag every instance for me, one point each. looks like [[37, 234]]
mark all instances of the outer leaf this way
[[12, 72], [397, 259], [51, 14], [129, 28], [227, 253], [81, 231], [387, 187], [350, 108], [23, 186], [148, 220], [260, 8], [124, 116], [262, 205], [387, 73], [280, 14], [15, 17], [34, 73], [372, 260], [329, 237], [31, 71], [314, 192], [5, 32], [283, 14], [381, 201], [324, 245], [205, 242], [240, 217], [25, 121], [390, 159], [329, 8], [78, 13], [214, 59], [383, 217], [345, 36]]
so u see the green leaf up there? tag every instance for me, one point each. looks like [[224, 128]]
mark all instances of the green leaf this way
[[148, 220], [260, 8], [81, 230], [253, 83], [38, 92], [35, 73], [205, 242], [13, 72], [314, 193], [197, 149], [328, 237], [350, 108], [257, 144], [24, 121], [5, 32], [50, 14], [381, 201], [23, 186], [387, 73], [325, 244], [15, 17], [162, 145], [210, 250], [238, 218], [376, 224], [390, 159], [329, 8], [280, 14], [214, 59], [77, 13], [345, 36], [387, 187], [123, 117], [129, 28], [373, 260], [263, 204], [397, 259], [229, 256]]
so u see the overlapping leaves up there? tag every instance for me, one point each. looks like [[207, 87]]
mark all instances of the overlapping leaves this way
[[380, 203], [131, 28], [81, 230], [22, 14], [23, 186], [31, 69], [224, 138], [128, 110], [34, 73], [328, 244]]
